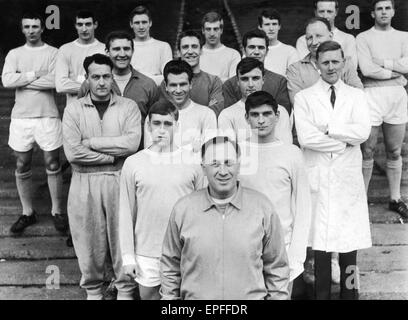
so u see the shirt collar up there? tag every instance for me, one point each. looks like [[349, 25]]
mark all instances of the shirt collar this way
[[88, 100], [236, 201], [327, 86]]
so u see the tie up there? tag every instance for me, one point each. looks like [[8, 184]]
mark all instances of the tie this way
[[332, 96]]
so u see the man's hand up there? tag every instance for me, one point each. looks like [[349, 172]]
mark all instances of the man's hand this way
[[41, 73], [131, 270], [379, 62], [86, 143], [212, 102]]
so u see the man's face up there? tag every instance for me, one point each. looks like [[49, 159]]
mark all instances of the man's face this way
[[383, 13], [141, 25], [162, 128], [178, 87], [271, 27], [256, 48], [326, 10], [250, 82], [100, 80], [263, 120], [190, 50], [32, 30], [316, 33], [120, 52], [221, 166], [85, 28], [212, 32], [330, 64]]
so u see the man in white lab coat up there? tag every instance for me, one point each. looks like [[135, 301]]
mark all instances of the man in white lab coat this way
[[332, 120]]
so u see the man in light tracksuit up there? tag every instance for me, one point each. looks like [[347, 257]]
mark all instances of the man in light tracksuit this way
[[99, 131]]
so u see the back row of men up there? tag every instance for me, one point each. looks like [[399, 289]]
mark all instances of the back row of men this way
[[224, 86]]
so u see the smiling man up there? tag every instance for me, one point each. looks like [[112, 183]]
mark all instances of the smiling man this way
[[197, 123], [232, 122], [206, 89], [216, 58], [151, 183], [224, 242], [69, 71], [30, 69], [150, 55], [383, 60], [332, 120], [99, 131]]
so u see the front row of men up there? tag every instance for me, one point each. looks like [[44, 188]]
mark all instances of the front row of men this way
[[179, 240]]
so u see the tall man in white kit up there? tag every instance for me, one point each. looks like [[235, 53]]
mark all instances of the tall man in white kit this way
[[34, 118], [383, 60], [152, 181], [69, 70], [332, 120]]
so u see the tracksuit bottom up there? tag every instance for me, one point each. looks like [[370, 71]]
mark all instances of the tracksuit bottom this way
[[349, 280], [93, 204]]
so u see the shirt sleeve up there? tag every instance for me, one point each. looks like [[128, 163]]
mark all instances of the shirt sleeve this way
[[309, 135], [166, 57], [357, 130], [399, 65], [350, 49], [236, 58], [350, 75], [365, 61], [209, 129], [63, 83], [170, 273], [48, 81], [294, 81], [128, 142], [216, 95], [230, 95], [275, 260], [127, 214], [74, 150], [226, 127], [282, 95], [301, 47], [293, 57], [11, 77]]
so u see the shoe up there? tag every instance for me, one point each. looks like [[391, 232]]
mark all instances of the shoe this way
[[399, 207], [335, 269], [308, 273], [23, 222], [111, 293], [60, 222], [68, 242]]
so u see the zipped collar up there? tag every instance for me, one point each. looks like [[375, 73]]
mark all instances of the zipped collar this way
[[236, 201]]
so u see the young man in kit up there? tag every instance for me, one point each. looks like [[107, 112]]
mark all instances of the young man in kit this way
[[150, 55], [232, 122], [100, 130], [224, 242], [280, 55], [276, 169], [256, 44], [30, 69], [206, 89], [328, 9], [69, 70], [383, 60], [151, 183], [216, 58], [197, 123]]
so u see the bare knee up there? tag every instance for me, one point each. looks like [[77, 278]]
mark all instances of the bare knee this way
[[368, 152], [394, 154], [22, 165]]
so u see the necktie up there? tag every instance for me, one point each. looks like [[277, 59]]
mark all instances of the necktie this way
[[332, 96]]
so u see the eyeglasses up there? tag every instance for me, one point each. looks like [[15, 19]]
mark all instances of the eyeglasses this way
[[218, 164]]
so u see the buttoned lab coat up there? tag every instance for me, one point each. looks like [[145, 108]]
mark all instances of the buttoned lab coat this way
[[340, 220]]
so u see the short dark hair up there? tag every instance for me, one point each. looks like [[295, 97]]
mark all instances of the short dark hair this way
[[218, 140], [269, 14], [83, 14], [318, 19], [190, 33], [97, 58], [35, 16], [163, 107], [374, 3], [212, 16], [259, 98], [329, 46], [140, 9], [256, 33], [177, 67], [248, 64], [316, 1], [118, 34]]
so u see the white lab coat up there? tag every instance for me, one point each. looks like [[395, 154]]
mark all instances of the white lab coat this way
[[340, 220]]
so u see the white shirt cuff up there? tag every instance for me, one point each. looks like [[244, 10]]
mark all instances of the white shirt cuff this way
[[128, 259], [30, 76], [389, 64]]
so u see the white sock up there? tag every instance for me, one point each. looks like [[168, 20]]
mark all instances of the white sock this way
[[394, 173], [24, 182], [54, 179]]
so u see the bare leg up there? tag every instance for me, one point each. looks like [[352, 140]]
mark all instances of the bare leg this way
[[368, 149]]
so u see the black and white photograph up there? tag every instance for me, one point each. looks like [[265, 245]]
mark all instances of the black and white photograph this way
[[204, 150]]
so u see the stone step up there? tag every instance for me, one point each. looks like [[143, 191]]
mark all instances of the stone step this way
[[23, 273], [44, 227], [378, 191], [66, 292], [384, 286], [35, 248], [389, 235], [384, 259]]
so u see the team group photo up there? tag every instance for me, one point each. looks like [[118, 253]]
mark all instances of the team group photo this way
[[218, 150]]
